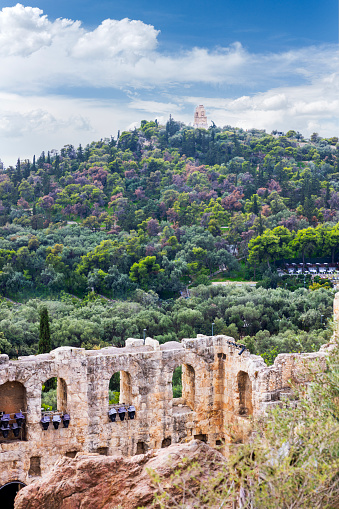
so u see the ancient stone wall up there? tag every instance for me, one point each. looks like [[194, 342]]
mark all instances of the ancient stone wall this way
[[221, 390]]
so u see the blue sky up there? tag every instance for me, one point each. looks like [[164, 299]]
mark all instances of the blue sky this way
[[281, 24], [78, 71]]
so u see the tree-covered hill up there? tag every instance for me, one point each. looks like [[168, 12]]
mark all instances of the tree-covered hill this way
[[160, 210], [163, 205]]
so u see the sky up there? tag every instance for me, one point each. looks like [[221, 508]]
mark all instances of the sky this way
[[77, 71]]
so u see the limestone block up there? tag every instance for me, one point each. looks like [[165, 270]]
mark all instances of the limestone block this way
[[153, 343], [132, 342], [4, 359]]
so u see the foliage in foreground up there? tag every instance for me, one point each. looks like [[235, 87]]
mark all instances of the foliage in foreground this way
[[292, 461]]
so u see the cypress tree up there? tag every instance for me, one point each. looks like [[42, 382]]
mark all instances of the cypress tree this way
[[255, 206], [328, 195], [27, 169], [44, 334], [260, 226], [80, 153]]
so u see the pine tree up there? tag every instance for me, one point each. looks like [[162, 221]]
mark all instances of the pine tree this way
[[44, 334]]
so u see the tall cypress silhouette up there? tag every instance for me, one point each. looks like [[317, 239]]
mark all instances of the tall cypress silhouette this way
[[44, 334]]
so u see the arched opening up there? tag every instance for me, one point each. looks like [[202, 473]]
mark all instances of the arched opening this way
[[177, 382], [120, 388], [114, 389], [13, 411], [54, 395], [8, 493], [166, 442], [245, 394], [183, 385], [49, 395]]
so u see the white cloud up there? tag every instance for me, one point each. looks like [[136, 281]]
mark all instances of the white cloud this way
[[128, 39], [124, 53], [39, 55], [154, 107], [304, 108], [25, 30], [31, 124]]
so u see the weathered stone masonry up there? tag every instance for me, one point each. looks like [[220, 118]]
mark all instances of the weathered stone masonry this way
[[220, 390]]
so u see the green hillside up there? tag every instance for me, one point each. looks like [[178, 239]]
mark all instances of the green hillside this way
[[145, 219]]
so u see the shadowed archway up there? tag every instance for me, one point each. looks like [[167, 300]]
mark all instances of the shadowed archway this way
[[8, 493]]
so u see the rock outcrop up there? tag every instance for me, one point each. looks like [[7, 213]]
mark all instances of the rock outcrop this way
[[91, 481]]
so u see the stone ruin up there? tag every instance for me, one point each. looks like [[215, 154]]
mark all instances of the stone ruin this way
[[222, 386]]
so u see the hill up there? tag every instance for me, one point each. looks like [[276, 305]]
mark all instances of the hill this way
[[158, 211]]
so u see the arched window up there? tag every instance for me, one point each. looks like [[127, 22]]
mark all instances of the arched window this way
[[12, 398], [13, 411], [54, 395], [177, 382], [120, 388], [183, 384], [49, 394], [245, 394], [114, 388]]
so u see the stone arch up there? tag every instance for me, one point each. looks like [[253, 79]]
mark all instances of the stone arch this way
[[13, 399], [245, 393], [8, 493]]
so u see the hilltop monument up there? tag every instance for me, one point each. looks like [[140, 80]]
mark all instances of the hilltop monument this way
[[200, 118]]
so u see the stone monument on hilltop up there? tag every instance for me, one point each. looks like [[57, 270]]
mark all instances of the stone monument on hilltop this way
[[200, 118]]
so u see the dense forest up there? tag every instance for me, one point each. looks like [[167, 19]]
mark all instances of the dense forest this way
[[126, 234]]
